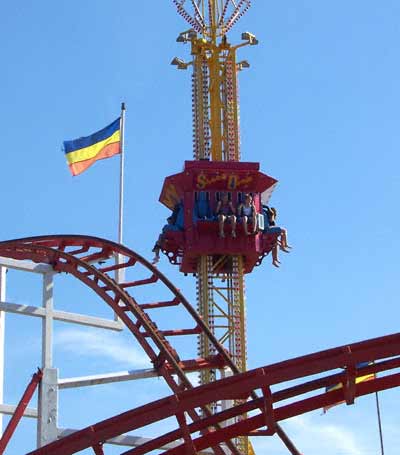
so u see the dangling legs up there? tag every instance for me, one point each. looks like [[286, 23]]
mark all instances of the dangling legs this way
[[254, 222], [275, 260], [221, 221], [283, 240], [156, 250], [244, 222], [232, 219]]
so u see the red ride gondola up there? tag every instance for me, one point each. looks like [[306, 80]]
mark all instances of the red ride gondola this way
[[193, 195]]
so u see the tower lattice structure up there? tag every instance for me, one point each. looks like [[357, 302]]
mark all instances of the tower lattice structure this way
[[216, 137]]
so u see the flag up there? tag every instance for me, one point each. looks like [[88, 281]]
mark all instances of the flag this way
[[83, 152], [367, 377]]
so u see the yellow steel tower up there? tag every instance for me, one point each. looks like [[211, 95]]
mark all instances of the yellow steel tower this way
[[216, 137]]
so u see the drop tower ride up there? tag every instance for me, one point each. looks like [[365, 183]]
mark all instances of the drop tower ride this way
[[219, 263]]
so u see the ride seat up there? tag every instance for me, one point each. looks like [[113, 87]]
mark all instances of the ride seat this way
[[202, 209], [179, 222]]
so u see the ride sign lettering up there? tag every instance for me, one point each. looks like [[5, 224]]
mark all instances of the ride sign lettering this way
[[222, 181]]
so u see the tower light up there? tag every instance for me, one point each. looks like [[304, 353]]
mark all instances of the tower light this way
[[186, 36], [243, 64], [180, 64], [247, 36]]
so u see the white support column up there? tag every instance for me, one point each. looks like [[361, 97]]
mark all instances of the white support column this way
[[3, 272], [48, 407], [48, 388], [226, 404], [47, 322]]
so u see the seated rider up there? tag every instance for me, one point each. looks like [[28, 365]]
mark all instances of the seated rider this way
[[167, 228], [248, 214], [271, 228], [225, 211]]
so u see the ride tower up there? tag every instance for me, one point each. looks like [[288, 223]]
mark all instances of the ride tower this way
[[219, 262]]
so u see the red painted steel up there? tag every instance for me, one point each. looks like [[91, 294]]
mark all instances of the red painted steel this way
[[83, 257], [98, 449], [384, 352], [53, 250], [203, 175], [185, 252], [199, 234], [19, 411]]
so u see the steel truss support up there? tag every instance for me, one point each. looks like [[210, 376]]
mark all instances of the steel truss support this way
[[215, 103], [200, 108], [221, 302], [65, 316], [8, 409], [231, 108]]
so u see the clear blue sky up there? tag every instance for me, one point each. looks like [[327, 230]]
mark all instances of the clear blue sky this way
[[319, 110]]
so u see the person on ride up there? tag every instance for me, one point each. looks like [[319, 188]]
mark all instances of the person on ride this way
[[225, 211], [170, 226], [272, 228], [248, 213]]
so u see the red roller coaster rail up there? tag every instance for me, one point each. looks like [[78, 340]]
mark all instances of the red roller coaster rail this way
[[84, 256], [385, 351]]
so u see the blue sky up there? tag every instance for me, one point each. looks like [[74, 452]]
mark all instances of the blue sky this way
[[319, 110]]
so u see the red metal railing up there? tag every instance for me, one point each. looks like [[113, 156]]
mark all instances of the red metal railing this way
[[19, 411]]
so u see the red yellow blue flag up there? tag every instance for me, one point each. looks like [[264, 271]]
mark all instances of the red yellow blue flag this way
[[83, 152]]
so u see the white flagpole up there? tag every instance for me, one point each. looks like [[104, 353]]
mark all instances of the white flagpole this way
[[119, 273], [121, 175]]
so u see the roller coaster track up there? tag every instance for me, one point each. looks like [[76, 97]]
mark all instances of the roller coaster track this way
[[90, 260], [86, 257], [384, 352]]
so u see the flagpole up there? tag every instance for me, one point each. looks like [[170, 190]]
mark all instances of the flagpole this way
[[378, 411], [119, 273], [121, 175]]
